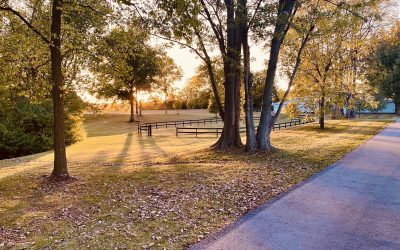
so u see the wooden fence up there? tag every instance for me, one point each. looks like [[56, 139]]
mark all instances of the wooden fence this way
[[218, 131], [156, 125]]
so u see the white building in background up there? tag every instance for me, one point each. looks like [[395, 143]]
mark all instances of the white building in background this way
[[301, 107], [388, 108]]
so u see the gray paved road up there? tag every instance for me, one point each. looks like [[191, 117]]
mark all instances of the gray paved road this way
[[354, 204]]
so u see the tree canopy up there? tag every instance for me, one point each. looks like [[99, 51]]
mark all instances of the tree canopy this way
[[125, 63], [384, 65]]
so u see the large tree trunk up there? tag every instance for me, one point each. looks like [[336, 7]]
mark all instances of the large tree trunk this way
[[397, 107], [166, 102], [322, 112], [250, 128], [136, 102], [230, 137], [237, 138], [248, 106], [229, 134], [60, 159], [132, 104], [264, 128]]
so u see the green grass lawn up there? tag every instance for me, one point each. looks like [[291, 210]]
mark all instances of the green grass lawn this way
[[135, 192]]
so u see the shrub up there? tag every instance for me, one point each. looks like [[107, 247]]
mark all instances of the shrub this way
[[27, 127]]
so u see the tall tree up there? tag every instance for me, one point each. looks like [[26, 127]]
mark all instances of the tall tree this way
[[285, 12], [189, 23], [125, 64], [330, 73], [186, 23], [169, 73], [304, 18], [244, 21], [61, 13], [54, 42], [195, 94], [384, 65]]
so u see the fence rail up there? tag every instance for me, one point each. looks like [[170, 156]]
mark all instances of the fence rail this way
[[218, 131], [150, 125]]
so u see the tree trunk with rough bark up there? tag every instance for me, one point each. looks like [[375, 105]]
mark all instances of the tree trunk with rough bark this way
[[230, 137], [248, 96], [60, 169], [397, 107], [166, 103], [322, 112], [136, 102], [266, 119], [132, 105]]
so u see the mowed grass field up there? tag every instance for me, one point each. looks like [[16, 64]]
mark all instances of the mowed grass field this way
[[135, 192]]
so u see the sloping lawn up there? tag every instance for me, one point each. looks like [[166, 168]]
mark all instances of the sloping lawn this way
[[166, 202]]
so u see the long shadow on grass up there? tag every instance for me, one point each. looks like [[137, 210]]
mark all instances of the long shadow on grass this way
[[124, 152], [149, 144]]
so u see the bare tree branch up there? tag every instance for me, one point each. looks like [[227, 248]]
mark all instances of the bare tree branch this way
[[221, 41], [129, 3], [254, 14], [180, 43]]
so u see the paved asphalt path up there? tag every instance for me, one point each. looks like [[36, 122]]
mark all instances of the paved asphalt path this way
[[353, 204]]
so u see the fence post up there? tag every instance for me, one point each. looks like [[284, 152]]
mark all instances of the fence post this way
[[177, 131], [149, 132]]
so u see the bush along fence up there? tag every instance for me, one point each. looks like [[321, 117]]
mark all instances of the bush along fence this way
[[217, 131], [149, 126]]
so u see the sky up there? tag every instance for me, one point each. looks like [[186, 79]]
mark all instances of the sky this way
[[189, 61]]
